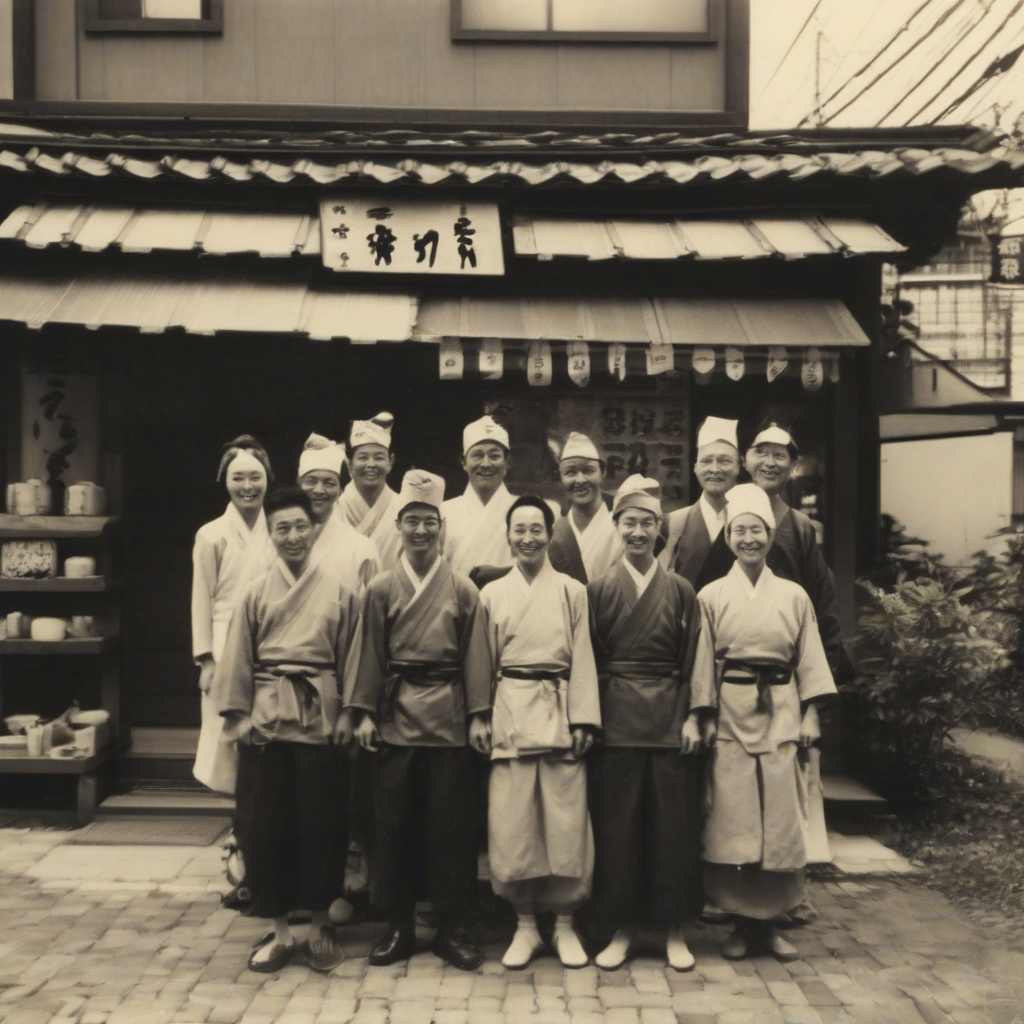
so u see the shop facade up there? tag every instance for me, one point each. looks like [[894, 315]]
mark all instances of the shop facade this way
[[624, 272]]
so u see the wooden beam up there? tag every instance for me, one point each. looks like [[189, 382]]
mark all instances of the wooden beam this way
[[23, 25]]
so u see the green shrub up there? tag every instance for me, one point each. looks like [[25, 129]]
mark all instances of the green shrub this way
[[929, 661]]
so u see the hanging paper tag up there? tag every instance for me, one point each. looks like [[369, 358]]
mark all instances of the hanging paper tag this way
[[735, 366], [703, 361], [451, 359], [832, 367], [579, 363], [660, 359], [778, 360], [538, 364], [492, 359], [617, 361], [812, 374]]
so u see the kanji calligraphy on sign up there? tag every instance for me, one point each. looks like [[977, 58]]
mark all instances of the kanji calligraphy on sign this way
[[1008, 259], [399, 236]]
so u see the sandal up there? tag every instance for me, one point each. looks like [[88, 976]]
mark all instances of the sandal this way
[[328, 956], [278, 959]]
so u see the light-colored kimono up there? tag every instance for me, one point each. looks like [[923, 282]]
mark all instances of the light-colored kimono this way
[[476, 533], [541, 845], [291, 656], [587, 555], [344, 552], [226, 557], [425, 664], [377, 523], [759, 813]]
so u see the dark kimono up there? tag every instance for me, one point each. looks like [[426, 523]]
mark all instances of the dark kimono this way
[[647, 794], [425, 668]]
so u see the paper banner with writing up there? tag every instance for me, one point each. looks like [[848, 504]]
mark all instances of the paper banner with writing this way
[[735, 364], [492, 359], [617, 361], [451, 359], [660, 359], [579, 363], [778, 360], [538, 364], [402, 236], [812, 373]]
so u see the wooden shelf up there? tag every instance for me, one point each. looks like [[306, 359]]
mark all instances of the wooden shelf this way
[[55, 765], [70, 645], [59, 585], [55, 527]]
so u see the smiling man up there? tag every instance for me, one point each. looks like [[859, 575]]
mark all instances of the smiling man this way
[[475, 521], [644, 624], [585, 543], [423, 694], [339, 547], [291, 656], [368, 503], [759, 673], [696, 549]]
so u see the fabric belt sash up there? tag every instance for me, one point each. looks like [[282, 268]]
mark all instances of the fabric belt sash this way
[[308, 707], [531, 674], [763, 675], [640, 669], [416, 675]]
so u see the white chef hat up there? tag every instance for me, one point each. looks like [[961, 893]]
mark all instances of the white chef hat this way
[[421, 488], [376, 430], [749, 498], [320, 452], [579, 446], [774, 434], [638, 491], [484, 429], [716, 429]]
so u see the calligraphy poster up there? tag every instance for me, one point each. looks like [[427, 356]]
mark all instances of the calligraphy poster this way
[[398, 236], [1007, 260]]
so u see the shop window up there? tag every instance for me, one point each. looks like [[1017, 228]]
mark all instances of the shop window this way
[[586, 20], [154, 15]]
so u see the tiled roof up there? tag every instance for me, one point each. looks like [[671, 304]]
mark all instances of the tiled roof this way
[[539, 158]]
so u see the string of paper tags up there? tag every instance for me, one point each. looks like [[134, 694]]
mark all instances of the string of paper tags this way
[[815, 365]]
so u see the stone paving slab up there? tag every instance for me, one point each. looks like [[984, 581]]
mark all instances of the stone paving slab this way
[[136, 935]]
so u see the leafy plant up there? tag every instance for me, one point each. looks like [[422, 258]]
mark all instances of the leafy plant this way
[[929, 662], [57, 459]]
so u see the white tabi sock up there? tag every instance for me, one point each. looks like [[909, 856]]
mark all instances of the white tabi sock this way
[[679, 956], [567, 943], [526, 943], [614, 955]]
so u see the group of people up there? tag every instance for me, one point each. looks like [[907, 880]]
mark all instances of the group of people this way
[[437, 636]]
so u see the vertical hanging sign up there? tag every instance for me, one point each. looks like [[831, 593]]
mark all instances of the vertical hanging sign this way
[[492, 359], [579, 363], [735, 365], [812, 373], [451, 359], [538, 364], [617, 361], [660, 359], [778, 360]]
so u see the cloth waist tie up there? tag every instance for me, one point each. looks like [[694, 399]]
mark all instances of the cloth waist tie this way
[[307, 696], [416, 674], [531, 674], [641, 669], [763, 675]]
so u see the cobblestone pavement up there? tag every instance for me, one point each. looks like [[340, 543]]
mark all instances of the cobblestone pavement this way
[[115, 935]]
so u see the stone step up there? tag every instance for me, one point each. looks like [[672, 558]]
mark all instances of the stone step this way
[[842, 789], [151, 801]]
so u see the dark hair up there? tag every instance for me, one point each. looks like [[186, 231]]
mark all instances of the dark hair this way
[[532, 501], [287, 497], [244, 443]]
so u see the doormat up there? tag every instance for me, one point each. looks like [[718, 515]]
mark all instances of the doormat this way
[[165, 830]]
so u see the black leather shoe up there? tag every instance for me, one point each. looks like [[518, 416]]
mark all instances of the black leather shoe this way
[[455, 947], [398, 944]]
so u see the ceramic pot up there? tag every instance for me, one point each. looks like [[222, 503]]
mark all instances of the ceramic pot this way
[[45, 628], [30, 498], [79, 566], [85, 499]]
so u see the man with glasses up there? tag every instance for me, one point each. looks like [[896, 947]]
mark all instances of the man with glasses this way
[[423, 694]]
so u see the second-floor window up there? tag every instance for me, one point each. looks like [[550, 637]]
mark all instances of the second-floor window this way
[[586, 20], [153, 15]]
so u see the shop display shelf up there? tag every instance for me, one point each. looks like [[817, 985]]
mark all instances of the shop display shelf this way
[[59, 585], [69, 645], [55, 527]]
